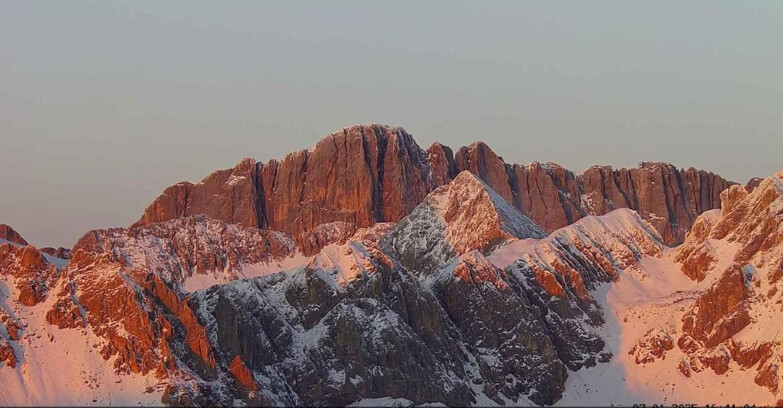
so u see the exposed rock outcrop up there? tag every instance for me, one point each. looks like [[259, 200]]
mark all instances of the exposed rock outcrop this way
[[9, 234], [10, 331], [553, 197], [374, 173], [668, 198], [33, 274], [360, 175], [738, 251], [188, 251], [464, 215], [753, 183]]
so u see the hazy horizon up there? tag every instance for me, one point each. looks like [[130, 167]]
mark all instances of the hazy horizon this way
[[107, 103]]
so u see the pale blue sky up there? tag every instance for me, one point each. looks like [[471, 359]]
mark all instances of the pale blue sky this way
[[104, 104]]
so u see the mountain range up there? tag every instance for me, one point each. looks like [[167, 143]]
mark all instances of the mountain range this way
[[370, 271]]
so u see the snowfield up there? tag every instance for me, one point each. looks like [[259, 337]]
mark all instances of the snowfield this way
[[63, 367], [655, 295]]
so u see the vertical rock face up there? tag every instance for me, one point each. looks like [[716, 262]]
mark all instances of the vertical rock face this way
[[360, 175], [543, 192], [480, 160], [442, 163], [670, 199], [229, 195], [9, 234], [374, 173]]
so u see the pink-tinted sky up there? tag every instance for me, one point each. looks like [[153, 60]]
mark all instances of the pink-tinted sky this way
[[104, 104]]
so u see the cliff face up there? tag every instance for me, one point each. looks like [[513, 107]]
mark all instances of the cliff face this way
[[361, 175], [351, 323], [9, 234], [462, 290], [553, 197], [357, 323], [373, 173]]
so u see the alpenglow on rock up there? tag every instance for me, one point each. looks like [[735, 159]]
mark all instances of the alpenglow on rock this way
[[376, 173], [729, 320], [487, 311], [360, 175], [454, 219], [9, 234]]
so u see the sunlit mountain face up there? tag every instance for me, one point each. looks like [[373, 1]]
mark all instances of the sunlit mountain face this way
[[369, 271]]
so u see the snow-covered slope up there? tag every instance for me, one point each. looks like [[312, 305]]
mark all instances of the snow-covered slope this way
[[590, 251], [62, 366], [454, 219], [195, 252], [463, 302], [702, 322], [40, 364]]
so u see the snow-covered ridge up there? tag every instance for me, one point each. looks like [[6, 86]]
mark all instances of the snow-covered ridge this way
[[456, 218], [195, 252], [473, 211], [622, 231], [501, 317], [595, 249]]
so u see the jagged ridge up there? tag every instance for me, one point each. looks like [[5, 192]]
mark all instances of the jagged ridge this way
[[375, 173]]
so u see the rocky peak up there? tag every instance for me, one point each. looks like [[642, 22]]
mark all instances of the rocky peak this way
[[454, 219], [365, 174], [442, 164], [481, 160], [33, 274], [477, 216], [9, 234], [751, 220], [360, 175]]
